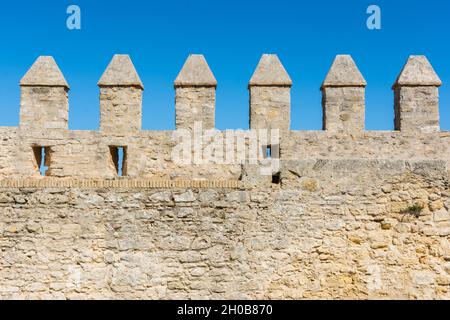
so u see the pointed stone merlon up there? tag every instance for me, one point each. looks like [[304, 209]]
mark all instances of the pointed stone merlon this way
[[270, 95], [44, 101], [120, 98], [195, 94], [416, 97], [343, 97]]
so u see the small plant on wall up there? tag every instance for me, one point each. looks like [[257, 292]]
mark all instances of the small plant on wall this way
[[414, 210]]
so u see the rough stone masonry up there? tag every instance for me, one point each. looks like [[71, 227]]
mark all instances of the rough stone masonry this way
[[350, 213]]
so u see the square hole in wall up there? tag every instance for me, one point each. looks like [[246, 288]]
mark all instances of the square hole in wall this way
[[42, 157], [276, 178], [119, 159], [271, 151]]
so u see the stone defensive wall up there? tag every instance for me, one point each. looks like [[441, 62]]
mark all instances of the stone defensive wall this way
[[198, 213], [75, 154]]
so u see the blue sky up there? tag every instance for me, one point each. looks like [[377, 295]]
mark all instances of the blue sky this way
[[232, 35]]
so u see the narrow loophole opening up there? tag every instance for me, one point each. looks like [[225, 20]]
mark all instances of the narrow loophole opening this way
[[268, 152], [119, 159], [42, 158], [271, 152]]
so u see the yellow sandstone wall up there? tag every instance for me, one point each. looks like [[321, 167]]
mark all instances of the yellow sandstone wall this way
[[348, 213]]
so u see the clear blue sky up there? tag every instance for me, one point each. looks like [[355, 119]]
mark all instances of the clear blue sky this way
[[232, 35]]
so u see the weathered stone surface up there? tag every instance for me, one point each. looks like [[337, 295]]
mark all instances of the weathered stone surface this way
[[349, 213], [120, 98], [184, 197], [44, 73], [120, 110], [270, 72], [344, 109], [344, 97], [195, 95], [344, 73], [268, 242], [418, 72], [44, 101], [417, 97], [86, 154], [417, 109], [270, 108], [270, 101], [121, 72], [195, 105], [195, 72]]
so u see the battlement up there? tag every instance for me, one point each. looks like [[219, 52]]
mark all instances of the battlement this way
[[198, 213], [43, 137]]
